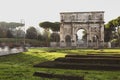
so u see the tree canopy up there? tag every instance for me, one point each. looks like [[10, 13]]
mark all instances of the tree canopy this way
[[45, 24], [6, 29], [113, 23], [112, 29], [54, 26], [31, 33], [10, 25]]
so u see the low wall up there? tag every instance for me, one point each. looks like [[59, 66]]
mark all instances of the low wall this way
[[54, 44], [6, 50]]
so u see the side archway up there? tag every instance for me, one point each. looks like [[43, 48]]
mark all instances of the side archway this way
[[68, 40]]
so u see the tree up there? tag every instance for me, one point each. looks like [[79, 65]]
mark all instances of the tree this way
[[40, 37], [118, 21], [118, 29], [8, 28], [45, 25], [2, 33], [9, 34], [46, 36], [19, 33], [107, 34], [31, 33], [55, 26], [14, 25], [112, 30], [10, 25], [55, 37]]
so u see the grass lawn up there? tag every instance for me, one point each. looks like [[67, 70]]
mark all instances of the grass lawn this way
[[20, 66]]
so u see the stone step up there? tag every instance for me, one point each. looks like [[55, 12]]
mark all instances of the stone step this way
[[90, 60], [94, 56], [85, 66], [93, 62], [60, 76]]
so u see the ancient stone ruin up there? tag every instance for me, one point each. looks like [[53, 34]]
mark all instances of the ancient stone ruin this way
[[91, 22]]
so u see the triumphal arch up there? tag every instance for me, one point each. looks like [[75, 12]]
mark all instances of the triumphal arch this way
[[91, 22]]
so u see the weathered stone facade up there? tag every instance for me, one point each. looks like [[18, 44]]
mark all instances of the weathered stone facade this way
[[91, 22]]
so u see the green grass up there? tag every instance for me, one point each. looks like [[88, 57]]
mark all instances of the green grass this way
[[20, 66]]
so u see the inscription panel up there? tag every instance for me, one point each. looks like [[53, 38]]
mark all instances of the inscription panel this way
[[82, 16]]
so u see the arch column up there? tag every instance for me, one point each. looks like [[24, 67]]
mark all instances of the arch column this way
[[89, 39], [62, 37], [73, 41]]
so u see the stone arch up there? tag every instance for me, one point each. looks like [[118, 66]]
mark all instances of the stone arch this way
[[81, 43], [93, 25], [80, 27]]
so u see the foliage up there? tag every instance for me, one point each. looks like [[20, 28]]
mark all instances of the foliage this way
[[107, 33], [46, 37], [31, 33], [8, 27], [2, 33], [54, 26], [40, 37], [55, 37], [9, 34], [18, 33], [110, 28], [45, 24]]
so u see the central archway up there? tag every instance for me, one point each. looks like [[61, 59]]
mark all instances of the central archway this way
[[81, 38]]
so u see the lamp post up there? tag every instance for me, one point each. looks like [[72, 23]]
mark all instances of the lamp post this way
[[23, 24]]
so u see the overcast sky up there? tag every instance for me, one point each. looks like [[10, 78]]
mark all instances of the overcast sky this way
[[36, 11]]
